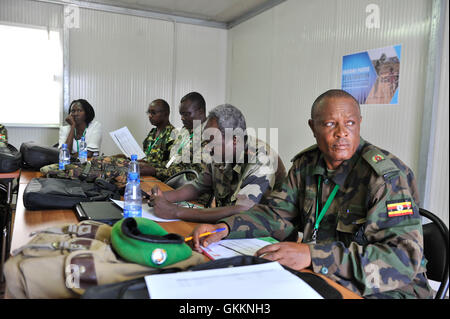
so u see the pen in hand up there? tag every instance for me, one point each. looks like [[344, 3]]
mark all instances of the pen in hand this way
[[206, 234]]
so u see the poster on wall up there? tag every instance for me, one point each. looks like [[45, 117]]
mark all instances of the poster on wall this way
[[372, 76]]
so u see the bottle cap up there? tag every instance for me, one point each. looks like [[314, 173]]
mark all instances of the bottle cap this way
[[64, 145], [134, 157], [132, 176], [83, 138]]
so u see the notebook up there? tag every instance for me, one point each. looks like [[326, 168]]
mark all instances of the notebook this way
[[105, 212]]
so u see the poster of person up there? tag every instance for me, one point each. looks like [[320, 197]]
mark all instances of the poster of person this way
[[372, 76]]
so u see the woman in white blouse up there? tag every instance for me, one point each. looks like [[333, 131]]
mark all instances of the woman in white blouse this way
[[81, 123]]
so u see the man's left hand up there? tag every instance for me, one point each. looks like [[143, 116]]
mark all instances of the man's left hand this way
[[294, 255]]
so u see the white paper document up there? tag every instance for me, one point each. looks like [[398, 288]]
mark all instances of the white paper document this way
[[236, 247], [263, 281], [127, 143], [147, 212]]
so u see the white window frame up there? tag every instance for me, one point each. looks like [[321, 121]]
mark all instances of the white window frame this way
[[62, 82]]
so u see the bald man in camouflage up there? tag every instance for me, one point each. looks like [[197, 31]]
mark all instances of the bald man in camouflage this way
[[240, 174], [356, 204]]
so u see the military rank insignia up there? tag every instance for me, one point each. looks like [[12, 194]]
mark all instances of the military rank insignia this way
[[399, 208], [377, 158]]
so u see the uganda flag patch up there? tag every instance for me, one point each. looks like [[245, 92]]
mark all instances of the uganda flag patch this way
[[399, 208]]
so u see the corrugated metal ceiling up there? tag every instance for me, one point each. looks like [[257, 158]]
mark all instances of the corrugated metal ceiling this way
[[223, 11]]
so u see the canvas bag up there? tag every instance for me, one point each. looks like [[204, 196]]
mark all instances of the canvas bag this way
[[10, 158], [62, 262], [34, 155]]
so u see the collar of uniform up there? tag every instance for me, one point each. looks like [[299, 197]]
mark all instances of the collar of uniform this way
[[341, 173], [153, 130]]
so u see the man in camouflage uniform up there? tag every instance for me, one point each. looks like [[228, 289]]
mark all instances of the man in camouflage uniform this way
[[193, 115], [3, 134], [158, 143], [238, 182], [370, 238]]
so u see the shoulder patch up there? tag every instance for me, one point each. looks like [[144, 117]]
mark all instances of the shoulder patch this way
[[311, 148], [379, 161]]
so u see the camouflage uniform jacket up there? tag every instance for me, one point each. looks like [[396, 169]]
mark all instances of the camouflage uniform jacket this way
[[3, 134], [157, 148], [182, 156], [366, 241], [246, 182]]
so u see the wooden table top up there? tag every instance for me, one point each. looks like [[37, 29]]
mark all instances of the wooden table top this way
[[26, 221]]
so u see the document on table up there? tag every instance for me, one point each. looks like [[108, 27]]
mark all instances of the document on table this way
[[127, 143], [263, 281], [147, 212], [236, 247]]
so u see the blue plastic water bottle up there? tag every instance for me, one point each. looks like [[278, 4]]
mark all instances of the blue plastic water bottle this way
[[82, 153], [64, 157], [133, 197], [133, 167]]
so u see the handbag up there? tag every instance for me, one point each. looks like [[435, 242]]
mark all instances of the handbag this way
[[54, 193]]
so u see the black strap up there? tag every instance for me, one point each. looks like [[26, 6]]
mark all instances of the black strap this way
[[129, 228]]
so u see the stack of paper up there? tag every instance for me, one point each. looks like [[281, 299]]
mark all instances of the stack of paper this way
[[263, 281], [127, 143], [236, 247]]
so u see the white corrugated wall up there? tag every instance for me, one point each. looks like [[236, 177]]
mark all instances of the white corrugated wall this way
[[282, 59], [439, 199], [120, 63]]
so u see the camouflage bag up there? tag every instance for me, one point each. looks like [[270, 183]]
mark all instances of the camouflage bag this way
[[63, 261], [110, 168]]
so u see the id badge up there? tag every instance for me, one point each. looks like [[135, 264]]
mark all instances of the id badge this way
[[170, 162]]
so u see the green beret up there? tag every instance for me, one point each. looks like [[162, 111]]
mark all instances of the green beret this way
[[144, 242]]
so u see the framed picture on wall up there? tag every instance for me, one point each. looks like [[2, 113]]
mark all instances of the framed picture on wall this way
[[372, 76]]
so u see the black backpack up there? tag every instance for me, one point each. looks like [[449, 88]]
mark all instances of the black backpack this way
[[54, 193], [10, 158], [34, 156]]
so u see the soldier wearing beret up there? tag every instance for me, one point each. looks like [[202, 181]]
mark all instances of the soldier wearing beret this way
[[356, 205]]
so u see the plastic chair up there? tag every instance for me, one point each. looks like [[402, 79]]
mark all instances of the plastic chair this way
[[435, 240], [179, 179]]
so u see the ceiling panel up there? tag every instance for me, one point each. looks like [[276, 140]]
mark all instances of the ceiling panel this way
[[224, 11]]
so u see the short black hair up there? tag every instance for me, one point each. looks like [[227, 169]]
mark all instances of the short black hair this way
[[333, 93], [196, 99], [163, 103], [88, 109]]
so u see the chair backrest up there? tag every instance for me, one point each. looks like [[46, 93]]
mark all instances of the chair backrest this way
[[435, 240]]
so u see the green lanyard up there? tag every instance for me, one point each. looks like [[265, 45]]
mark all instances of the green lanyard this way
[[184, 142], [150, 146], [322, 213], [78, 146]]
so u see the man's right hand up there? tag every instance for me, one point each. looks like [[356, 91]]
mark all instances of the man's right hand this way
[[70, 120], [206, 240]]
